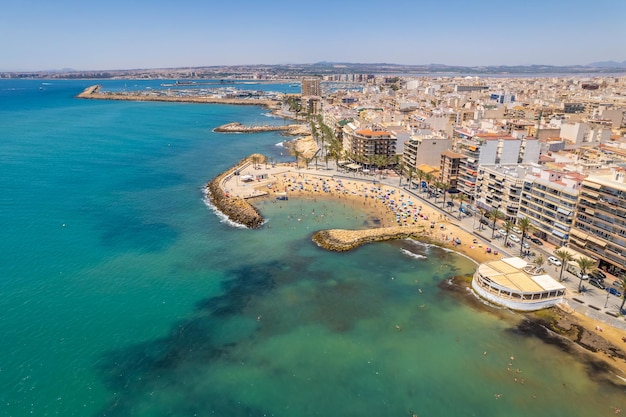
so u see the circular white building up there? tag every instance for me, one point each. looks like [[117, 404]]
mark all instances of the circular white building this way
[[516, 284]]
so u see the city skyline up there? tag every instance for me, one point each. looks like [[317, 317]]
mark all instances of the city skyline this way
[[115, 35]]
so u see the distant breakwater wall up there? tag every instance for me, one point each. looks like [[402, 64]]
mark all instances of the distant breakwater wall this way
[[341, 240], [236, 209], [94, 93], [236, 127]]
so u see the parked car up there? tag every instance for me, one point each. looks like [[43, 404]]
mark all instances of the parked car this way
[[613, 291], [536, 241], [516, 229], [596, 283], [554, 261], [596, 273], [484, 221], [514, 238], [502, 232], [525, 245]]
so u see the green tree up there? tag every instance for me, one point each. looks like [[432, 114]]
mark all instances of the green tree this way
[[565, 257], [420, 176], [539, 261], [623, 282], [298, 155], [527, 228], [507, 226], [452, 197], [586, 265], [400, 170], [443, 186], [494, 215], [462, 199]]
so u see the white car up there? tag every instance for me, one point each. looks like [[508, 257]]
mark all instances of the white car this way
[[502, 232], [514, 238], [516, 230], [554, 261]]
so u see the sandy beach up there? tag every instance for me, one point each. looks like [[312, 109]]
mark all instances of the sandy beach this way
[[390, 206]]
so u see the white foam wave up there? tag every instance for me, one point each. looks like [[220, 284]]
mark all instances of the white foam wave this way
[[280, 144], [223, 218], [273, 116], [413, 255]]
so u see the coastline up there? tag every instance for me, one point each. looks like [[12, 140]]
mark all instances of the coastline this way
[[399, 216]]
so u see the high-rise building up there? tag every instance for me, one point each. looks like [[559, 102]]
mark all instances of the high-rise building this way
[[311, 87], [549, 201], [599, 229]]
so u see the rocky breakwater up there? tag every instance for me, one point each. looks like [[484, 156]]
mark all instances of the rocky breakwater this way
[[341, 240], [236, 127], [236, 209], [95, 93]]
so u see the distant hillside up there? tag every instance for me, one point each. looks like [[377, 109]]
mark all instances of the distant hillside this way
[[608, 64]]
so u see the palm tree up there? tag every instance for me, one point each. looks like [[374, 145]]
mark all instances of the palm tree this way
[[494, 215], [400, 170], [539, 261], [526, 227], [452, 197], [565, 257], [427, 178], [482, 212], [444, 189], [623, 278], [586, 265], [420, 176], [508, 225], [438, 185], [462, 198], [298, 154]]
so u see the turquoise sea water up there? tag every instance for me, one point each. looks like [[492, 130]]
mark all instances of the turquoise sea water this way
[[123, 294]]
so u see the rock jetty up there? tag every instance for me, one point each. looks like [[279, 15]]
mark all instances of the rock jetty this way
[[94, 93], [237, 209], [236, 127], [341, 240]]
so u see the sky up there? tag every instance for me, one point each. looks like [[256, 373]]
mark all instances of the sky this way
[[38, 35]]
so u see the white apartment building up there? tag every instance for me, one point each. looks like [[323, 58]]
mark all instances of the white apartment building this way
[[583, 134], [491, 149], [500, 187], [549, 200], [599, 228], [425, 149]]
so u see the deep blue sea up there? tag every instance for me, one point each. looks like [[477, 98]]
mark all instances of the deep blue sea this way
[[123, 294]]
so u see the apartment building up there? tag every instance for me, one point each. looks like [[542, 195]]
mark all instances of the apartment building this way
[[491, 149], [362, 144], [499, 187], [425, 149], [311, 87], [599, 228], [449, 168], [549, 200]]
